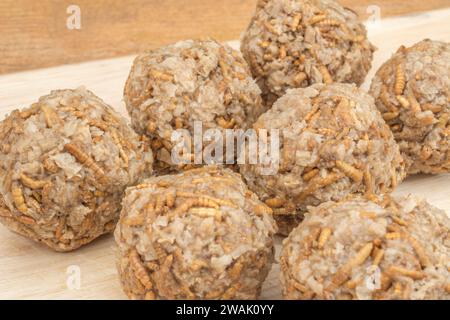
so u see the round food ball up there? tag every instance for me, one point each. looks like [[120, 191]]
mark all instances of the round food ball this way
[[200, 234], [412, 92], [191, 81], [362, 249], [297, 43], [65, 163], [333, 142]]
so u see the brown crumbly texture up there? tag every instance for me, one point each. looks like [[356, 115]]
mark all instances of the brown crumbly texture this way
[[412, 90], [171, 87], [369, 249], [297, 43], [64, 165], [197, 235], [333, 142]]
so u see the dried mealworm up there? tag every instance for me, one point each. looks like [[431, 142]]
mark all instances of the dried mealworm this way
[[323, 237], [299, 78], [387, 116], [350, 171], [317, 18], [139, 270], [122, 152], [86, 160], [310, 175], [50, 115], [344, 272], [261, 209], [205, 212], [18, 199], [160, 75], [420, 251], [378, 256], [400, 271], [31, 183], [400, 80], [392, 235], [275, 202], [403, 102], [226, 124], [327, 78], [296, 21]]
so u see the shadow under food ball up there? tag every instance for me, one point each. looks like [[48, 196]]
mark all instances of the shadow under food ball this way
[[297, 43], [382, 248], [172, 88], [200, 234], [333, 143], [65, 163]]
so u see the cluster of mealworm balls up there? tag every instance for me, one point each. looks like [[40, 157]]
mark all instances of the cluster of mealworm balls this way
[[71, 169]]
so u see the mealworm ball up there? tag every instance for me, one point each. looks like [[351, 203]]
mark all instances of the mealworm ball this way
[[362, 249], [297, 43], [197, 235], [64, 165], [172, 87], [412, 91], [333, 142]]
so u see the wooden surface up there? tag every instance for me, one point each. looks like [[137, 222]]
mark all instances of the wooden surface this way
[[31, 271], [34, 34]]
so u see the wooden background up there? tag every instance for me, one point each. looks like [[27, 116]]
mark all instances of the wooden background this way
[[33, 34]]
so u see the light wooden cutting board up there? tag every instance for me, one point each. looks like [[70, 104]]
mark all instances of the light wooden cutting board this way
[[31, 271]]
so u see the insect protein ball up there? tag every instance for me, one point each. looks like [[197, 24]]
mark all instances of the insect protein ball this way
[[65, 162], [200, 234], [369, 249], [194, 81], [297, 43], [333, 142], [412, 90]]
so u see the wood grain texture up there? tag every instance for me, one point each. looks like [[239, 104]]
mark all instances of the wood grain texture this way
[[33, 34], [31, 271]]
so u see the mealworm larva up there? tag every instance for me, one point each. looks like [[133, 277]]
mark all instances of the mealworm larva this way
[[420, 251], [226, 124], [378, 256], [18, 199], [261, 209], [327, 78], [350, 171], [403, 102], [139, 270], [31, 183], [399, 86], [415, 105], [323, 237], [299, 78], [86, 160], [296, 21], [271, 28], [393, 235], [122, 152], [170, 199], [400, 271], [161, 75], [311, 174], [387, 116], [317, 18], [282, 52], [205, 212], [344, 272], [329, 22], [50, 115], [275, 202], [98, 124], [318, 183]]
